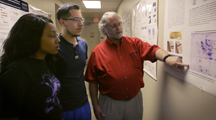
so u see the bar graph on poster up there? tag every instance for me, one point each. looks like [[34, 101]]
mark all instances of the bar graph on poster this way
[[190, 33]]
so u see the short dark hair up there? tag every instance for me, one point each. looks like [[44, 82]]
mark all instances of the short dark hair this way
[[63, 11], [24, 39]]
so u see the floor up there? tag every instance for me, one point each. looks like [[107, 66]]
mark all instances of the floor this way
[[92, 111]]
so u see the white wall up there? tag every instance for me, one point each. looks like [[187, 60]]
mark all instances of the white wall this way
[[89, 29], [48, 6], [57, 24], [170, 98]]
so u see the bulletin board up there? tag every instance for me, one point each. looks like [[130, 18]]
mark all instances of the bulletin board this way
[[190, 33]]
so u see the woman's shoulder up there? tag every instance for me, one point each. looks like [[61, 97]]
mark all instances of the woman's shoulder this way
[[25, 64]]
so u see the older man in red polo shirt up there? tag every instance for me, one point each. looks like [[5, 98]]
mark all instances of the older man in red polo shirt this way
[[115, 68]]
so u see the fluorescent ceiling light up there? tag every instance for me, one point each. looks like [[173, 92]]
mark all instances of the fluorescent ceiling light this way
[[92, 4]]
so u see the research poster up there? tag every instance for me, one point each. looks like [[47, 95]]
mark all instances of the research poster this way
[[11, 11], [190, 33], [145, 28], [126, 24]]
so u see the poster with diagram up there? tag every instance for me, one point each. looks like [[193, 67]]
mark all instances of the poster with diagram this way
[[190, 33], [145, 28], [203, 54]]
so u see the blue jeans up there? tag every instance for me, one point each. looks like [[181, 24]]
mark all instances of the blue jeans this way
[[82, 113]]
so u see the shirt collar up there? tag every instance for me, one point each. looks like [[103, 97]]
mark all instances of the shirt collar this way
[[111, 43], [65, 41]]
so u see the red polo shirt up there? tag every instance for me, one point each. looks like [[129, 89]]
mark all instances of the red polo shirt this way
[[118, 69]]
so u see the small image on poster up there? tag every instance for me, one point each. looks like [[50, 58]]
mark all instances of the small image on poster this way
[[178, 47], [174, 45], [176, 35]]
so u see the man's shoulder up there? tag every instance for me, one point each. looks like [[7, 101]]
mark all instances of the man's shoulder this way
[[101, 45], [81, 39], [131, 40]]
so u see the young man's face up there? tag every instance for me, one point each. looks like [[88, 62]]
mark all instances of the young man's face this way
[[74, 23]]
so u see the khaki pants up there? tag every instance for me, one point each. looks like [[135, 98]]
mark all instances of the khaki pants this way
[[122, 109]]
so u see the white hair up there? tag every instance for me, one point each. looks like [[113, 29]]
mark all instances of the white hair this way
[[103, 22]]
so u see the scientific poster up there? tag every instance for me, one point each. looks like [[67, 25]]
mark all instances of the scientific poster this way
[[10, 13], [145, 28], [190, 33], [126, 24]]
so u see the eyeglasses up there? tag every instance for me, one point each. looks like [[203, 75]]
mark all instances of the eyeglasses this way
[[76, 19], [115, 25]]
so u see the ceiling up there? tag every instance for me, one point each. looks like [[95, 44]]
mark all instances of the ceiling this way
[[106, 5]]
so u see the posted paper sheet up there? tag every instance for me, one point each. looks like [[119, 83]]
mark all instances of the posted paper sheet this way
[[190, 33], [145, 28]]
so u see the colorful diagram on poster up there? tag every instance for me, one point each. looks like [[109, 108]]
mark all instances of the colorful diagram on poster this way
[[203, 53]]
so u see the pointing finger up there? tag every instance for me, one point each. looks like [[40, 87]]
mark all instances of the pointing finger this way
[[182, 64]]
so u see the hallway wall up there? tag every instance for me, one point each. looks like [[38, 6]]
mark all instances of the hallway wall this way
[[91, 34], [48, 6], [170, 98]]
